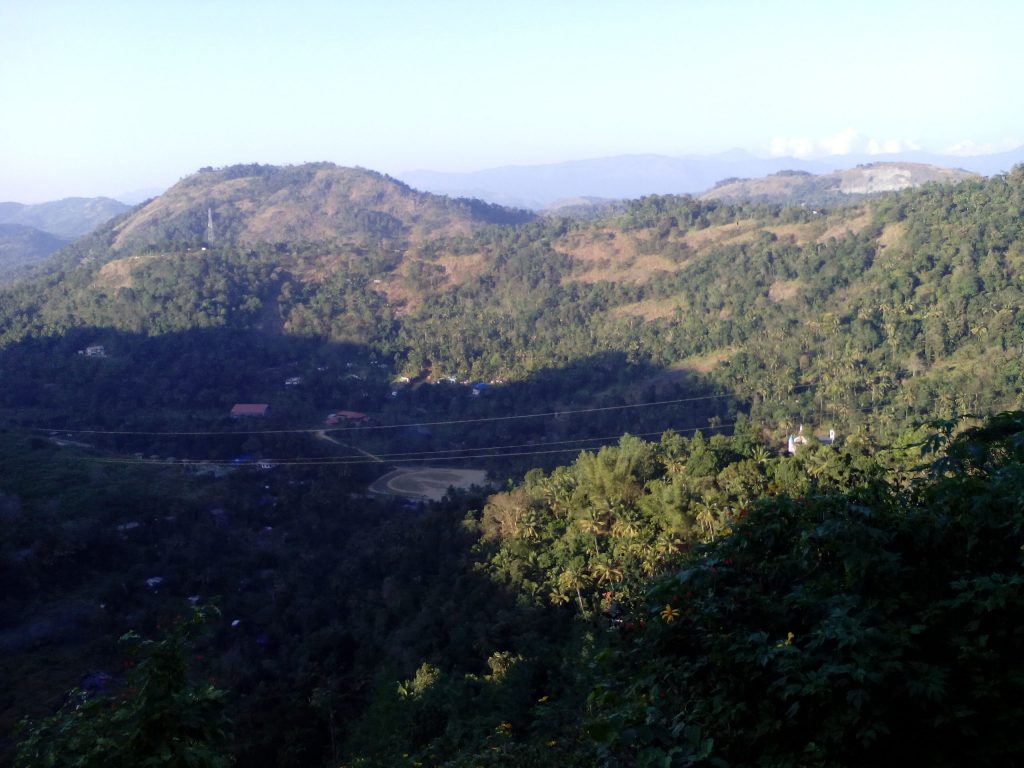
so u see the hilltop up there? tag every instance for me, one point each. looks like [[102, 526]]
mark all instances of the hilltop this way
[[789, 187], [317, 202]]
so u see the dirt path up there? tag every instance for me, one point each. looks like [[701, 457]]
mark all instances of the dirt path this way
[[322, 435]]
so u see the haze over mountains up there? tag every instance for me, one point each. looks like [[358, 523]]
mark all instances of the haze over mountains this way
[[68, 218], [585, 188], [632, 176], [31, 233], [789, 187]]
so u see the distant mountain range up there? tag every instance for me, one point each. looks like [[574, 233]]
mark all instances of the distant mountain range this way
[[67, 219], [632, 176], [31, 233], [789, 187]]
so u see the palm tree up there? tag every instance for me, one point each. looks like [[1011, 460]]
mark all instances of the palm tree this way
[[707, 517], [574, 578], [760, 454], [821, 464], [606, 572]]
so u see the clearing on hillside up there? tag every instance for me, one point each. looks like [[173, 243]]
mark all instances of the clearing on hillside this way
[[426, 483]]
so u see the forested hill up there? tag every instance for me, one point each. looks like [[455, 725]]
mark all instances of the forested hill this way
[[31, 233], [22, 247], [701, 598], [906, 304], [317, 202]]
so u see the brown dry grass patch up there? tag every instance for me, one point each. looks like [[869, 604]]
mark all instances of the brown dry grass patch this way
[[319, 269], [783, 290], [636, 271], [401, 297], [799, 234], [650, 309], [607, 255], [598, 246], [705, 363], [721, 234], [892, 234], [463, 269], [117, 274], [846, 227], [170, 205]]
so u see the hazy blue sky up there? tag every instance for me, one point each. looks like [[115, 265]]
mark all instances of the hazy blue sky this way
[[104, 97]]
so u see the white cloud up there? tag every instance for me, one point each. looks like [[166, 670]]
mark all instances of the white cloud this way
[[847, 142], [843, 143], [890, 146], [968, 147], [783, 147]]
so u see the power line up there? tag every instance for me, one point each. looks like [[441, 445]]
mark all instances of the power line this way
[[424, 456], [342, 461], [408, 425]]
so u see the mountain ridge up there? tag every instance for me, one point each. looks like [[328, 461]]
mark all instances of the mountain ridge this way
[[633, 176], [67, 218], [789, 187], [313, 202]]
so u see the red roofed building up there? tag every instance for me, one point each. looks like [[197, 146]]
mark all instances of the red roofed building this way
[[353, 417], [241, 410]]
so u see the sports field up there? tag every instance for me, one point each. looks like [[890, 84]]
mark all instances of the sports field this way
[[426, 483]]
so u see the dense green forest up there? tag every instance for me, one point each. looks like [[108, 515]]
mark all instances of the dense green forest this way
[[656, 581], [681, 602], [906, 308]]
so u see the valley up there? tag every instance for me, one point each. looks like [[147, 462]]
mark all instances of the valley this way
[[612, 398]]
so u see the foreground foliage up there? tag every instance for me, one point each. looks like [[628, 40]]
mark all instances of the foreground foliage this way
[[838, 627], [844, 606], [159, 718]]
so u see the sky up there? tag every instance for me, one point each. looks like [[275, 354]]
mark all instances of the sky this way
[[110, 97]]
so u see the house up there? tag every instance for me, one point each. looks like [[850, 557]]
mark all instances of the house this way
[[795, 440], [245, 410], [353, 416], [349, 417]]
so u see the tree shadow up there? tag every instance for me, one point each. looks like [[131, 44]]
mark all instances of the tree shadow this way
[[324, 592], [187, 382]]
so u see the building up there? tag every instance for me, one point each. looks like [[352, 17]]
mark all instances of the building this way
[[348, 417], [246, 410], [795, 440]]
